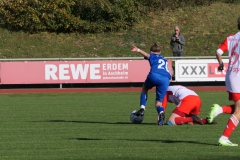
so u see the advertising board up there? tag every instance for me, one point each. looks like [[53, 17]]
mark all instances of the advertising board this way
[[95, 71], [199, 70]]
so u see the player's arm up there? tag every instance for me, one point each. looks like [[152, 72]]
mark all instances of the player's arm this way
[[143, 53], [222, 48], [219, 58]]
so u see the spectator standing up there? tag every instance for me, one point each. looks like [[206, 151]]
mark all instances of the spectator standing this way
[[177, 42]]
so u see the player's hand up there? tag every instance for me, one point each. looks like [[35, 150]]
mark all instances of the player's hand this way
[[221, 67], [134, 49]]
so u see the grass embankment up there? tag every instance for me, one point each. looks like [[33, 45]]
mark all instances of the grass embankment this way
[[204, 28]]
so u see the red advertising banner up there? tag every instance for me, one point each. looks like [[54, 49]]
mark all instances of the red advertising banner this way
[[213, 70], [52, 72]]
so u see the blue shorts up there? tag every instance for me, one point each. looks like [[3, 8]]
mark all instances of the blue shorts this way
[[160, 82]]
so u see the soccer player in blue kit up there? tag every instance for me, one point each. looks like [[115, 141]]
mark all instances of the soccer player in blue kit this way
[[158, 77]]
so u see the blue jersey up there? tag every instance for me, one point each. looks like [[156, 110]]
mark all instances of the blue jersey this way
[[159, 65]]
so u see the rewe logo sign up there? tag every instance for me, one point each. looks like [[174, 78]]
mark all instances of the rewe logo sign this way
[[72, 71], [85, 71]]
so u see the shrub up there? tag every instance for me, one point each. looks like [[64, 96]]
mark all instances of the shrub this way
[[35, 16], [83, 15], [108, 15], [68, 15]]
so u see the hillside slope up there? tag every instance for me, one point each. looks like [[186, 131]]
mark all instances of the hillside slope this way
[[204, 28]]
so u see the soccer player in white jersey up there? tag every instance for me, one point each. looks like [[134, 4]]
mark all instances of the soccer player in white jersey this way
[[232, 82], [188, 106]]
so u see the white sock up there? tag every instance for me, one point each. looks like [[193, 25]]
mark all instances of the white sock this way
[[142, 107], [223, 138], [219, 111]]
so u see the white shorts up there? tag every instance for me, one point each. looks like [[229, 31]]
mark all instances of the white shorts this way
[[232, 83]]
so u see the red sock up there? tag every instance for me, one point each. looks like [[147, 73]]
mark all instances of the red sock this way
[[228, 109], [204, 120], [231, 125], [182, 120]]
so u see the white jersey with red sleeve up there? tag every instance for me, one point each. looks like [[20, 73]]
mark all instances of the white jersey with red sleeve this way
[[232, 45], [176, 93]]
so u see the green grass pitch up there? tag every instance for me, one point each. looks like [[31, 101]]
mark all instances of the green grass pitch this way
[[96, 126]]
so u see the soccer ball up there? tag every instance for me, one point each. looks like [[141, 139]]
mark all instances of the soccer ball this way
[[134, 118]]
